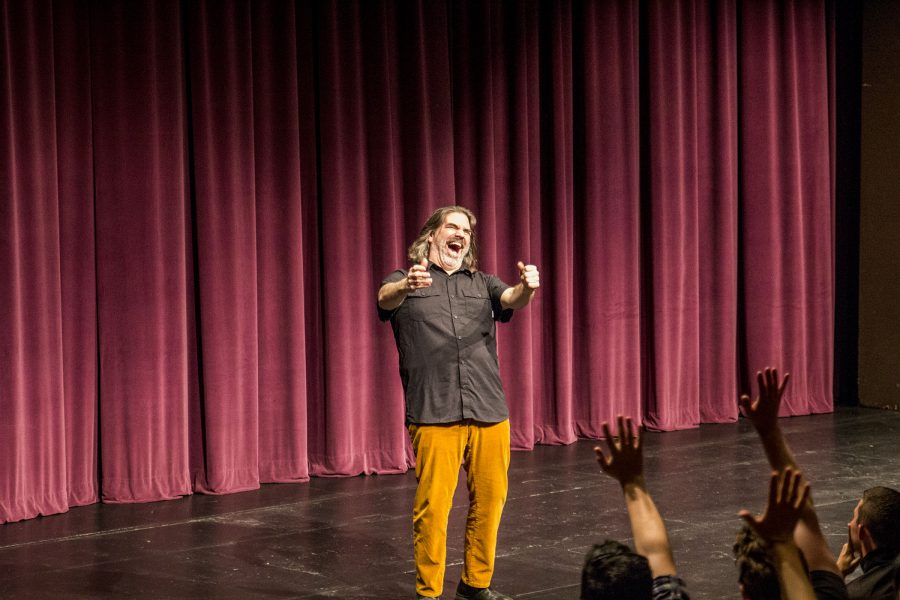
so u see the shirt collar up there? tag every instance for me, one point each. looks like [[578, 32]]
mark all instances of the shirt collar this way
[[876, 558], [436, 267]]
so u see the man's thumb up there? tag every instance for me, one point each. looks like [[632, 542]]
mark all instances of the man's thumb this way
[[520, 265], [424, 262]]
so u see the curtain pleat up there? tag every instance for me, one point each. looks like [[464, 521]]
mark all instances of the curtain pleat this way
[[141, 206], [692, 220], [224, 223], [356, 427], [78, 278], [606, 246], [280, 286], [199, 200], [787, 202], [33, 470]]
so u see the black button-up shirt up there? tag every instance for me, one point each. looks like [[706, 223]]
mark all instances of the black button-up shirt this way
[[879, 569], [446, 338]]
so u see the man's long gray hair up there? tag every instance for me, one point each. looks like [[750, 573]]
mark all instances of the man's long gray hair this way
[[419, 248]]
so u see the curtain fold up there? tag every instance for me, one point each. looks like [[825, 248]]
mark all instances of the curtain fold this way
[[78, 278], [356, 427], [787, 199], [281, 277], [33, 467], [142, 248], [692, 206], [199, 200], [607, 247], [224, 223]]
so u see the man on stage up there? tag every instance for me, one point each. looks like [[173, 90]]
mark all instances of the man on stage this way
[[442, 312]]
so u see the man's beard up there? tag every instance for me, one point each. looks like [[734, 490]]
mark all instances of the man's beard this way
[[453, 262]]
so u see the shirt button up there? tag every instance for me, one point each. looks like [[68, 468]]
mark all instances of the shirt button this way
[[455, 316], [459, 337], [452, 296]]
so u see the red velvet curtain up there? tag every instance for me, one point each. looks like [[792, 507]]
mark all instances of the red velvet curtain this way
[[198, 200]]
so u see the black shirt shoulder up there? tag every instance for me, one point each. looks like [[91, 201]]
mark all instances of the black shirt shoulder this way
[[392, 277], [828, 585]]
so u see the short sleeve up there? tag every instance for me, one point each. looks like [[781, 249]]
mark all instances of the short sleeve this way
[[669, 587], [397, 275], [496, 287]]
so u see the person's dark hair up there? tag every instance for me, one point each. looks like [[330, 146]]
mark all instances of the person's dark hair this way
[[613, 572], [756, 573], [880, 513], [418, 250]]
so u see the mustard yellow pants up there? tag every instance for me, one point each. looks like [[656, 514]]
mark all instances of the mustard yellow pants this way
[[483, 449]]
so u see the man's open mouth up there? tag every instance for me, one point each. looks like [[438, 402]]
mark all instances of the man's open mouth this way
[[455, 247]]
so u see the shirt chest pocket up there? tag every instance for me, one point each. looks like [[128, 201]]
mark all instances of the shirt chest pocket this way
[[478, 305], [424, 304]]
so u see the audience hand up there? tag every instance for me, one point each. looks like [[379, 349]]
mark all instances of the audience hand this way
[[623, 460], [763, 411], [787, 496]]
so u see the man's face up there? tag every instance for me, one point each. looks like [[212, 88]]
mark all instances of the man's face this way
[[450, 243]]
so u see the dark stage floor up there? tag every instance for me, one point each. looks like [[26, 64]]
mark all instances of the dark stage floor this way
[[351, 538]]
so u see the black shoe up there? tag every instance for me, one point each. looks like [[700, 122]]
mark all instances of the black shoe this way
[[467, 592]]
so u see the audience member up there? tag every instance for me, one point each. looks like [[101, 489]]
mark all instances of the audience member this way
[[612, 570], [788, 496], [755, 574], [874, 545], [782, 554]]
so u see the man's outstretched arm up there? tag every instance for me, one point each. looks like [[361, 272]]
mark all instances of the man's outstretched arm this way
[[623, 461]]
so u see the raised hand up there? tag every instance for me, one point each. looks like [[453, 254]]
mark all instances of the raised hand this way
[[787, 497], [529, 276], [763, 411], [623, 460], [418, 276]]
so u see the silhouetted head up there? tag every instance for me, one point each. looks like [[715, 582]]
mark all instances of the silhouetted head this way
[[876, 521], [756, 572], [613, 572]]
